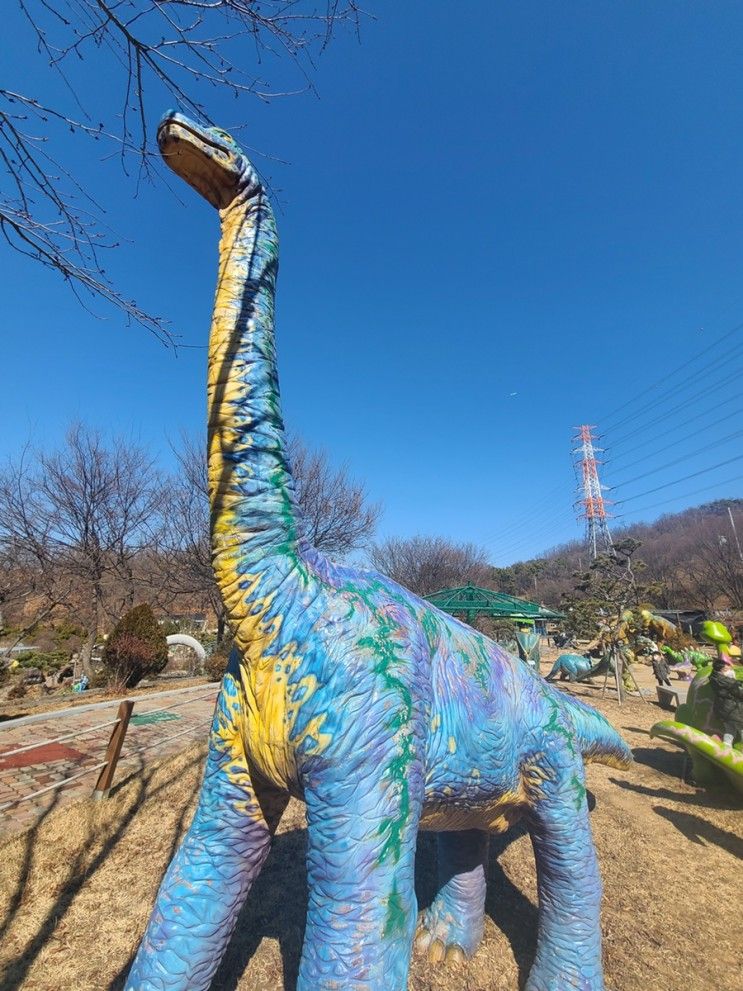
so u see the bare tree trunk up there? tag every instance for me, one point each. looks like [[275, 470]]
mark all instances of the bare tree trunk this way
[[86, 651]]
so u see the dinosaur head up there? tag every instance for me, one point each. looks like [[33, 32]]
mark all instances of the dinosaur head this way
[[207, 158]]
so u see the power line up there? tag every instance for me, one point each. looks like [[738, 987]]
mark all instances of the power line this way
[[540, 534], [694, 433], [530, 532], [670, 375], [687, 495], [523, 519], [697, 376], [664, 416], [622, 502], [676, 461]]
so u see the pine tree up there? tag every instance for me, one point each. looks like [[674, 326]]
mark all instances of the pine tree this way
[[136, 647]]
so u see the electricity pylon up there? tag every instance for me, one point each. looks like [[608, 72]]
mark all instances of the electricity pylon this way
[[591, 493]]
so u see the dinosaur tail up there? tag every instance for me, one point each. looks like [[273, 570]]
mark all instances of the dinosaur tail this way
[[554, 672], [598, 740]]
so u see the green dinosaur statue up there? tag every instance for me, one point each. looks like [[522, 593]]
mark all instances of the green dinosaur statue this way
[[698, 727]]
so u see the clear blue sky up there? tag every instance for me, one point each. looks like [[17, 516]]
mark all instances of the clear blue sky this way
[[485, 199]]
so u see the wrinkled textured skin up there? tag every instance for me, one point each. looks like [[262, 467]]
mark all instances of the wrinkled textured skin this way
[[384, 715]]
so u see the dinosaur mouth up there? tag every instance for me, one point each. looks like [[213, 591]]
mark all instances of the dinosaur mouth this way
[[174, 126], [202, 161]]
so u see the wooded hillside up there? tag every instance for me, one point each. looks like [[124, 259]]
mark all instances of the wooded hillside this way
[[692, 556]]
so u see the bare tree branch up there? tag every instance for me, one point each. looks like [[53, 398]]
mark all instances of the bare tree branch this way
[[160, 48], [429, 564]]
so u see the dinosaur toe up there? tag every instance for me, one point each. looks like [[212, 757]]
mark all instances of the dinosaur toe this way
[[438, 946]]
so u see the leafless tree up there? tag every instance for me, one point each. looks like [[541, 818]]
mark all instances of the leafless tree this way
[[182, 567], [82, 515], [335, 516], [712, 572], [427, 564], [160, 48]]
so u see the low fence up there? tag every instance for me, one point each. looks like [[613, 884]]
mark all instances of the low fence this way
[[113, 751]]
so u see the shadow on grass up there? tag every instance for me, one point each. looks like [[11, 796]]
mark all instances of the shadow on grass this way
[[119, 979], [277, 906], [702, 832], [78, 872], [724, 800], [29, 847], [670, 762]]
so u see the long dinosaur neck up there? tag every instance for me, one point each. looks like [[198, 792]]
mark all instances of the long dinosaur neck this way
[[250, 486]]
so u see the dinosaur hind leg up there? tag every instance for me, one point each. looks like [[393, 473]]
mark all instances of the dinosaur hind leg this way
[[568, 954], [218, 860], [452, 927]]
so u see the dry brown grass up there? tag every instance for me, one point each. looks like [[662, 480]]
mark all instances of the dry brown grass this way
[[37, 699], [76, 891]]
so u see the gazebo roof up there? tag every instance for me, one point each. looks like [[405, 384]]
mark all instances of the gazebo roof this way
[[473, 599]]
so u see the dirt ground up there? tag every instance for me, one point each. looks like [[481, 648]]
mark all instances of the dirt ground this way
[[75, 893]]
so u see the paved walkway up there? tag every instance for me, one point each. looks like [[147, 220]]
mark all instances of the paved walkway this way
[[162, 723]]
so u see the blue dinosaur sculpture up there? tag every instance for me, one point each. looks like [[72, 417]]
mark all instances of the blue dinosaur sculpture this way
[[575, 667], [384, 715]]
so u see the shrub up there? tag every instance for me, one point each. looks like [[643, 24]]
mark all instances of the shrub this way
[[216, 664], [137, 647], [47, 661]]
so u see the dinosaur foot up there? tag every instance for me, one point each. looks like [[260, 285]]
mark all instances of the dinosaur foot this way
[[444, 937], [436, 950]]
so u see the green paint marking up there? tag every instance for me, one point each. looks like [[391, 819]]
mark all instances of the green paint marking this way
[[147, 718], [383, 647], [397, 917], [482, 665], [430, 626], [580, 791], [555, 727]]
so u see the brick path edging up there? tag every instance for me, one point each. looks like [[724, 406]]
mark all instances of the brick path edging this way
[[21, 775]]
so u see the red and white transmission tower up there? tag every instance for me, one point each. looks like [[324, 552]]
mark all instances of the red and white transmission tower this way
[[591, 493]]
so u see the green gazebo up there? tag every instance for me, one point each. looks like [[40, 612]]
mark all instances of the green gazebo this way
[[470, 601]]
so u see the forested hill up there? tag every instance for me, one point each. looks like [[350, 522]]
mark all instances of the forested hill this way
[[693, 556]]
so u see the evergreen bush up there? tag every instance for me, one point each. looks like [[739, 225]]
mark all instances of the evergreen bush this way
[[136, 648]]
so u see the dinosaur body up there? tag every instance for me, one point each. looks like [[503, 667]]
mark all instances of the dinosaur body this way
[[384, 715], [575, 667]]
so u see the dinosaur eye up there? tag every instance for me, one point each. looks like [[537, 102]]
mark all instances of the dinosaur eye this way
[[223, 134]]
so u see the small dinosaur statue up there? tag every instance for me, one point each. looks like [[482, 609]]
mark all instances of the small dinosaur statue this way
[[575, 667], [384, 715]]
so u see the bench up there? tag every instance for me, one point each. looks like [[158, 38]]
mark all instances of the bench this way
[[668, 697]]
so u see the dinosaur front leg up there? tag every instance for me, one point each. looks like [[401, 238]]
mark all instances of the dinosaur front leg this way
[[362, 909], [568, 954], [218, 860], [452, 926]]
